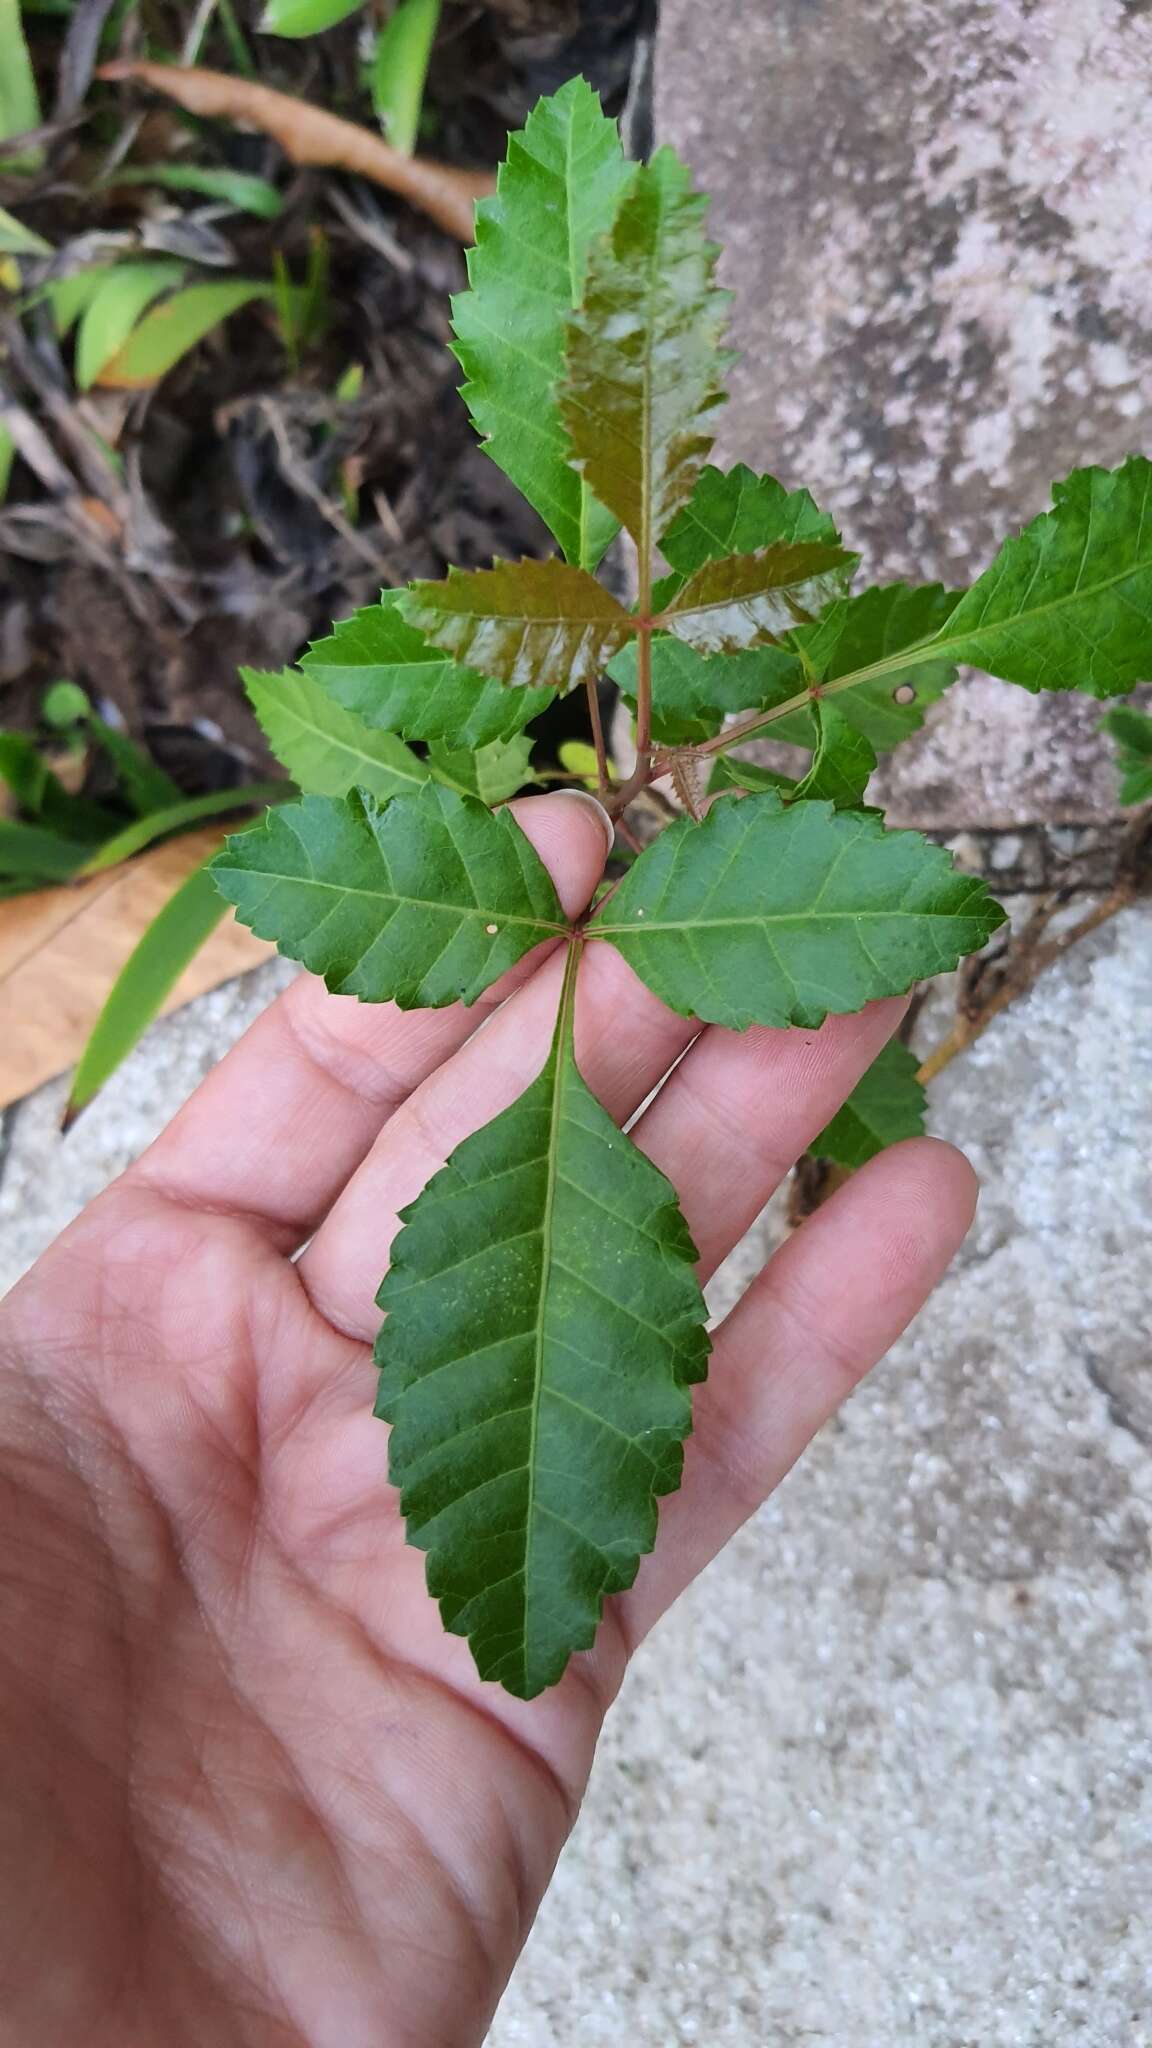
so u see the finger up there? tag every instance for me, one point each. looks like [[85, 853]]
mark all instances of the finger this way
[[281, 1124], [626, 1040], [741, 1108], [824, 1310]]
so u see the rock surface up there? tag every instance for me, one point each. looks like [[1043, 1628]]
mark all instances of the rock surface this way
[[937, 219]]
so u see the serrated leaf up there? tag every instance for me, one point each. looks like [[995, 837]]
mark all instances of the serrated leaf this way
[[871, 629], [530, 623], [543, 1327], [887, 1104], [557, 190], [843, 761], [766, 914], [421, 901], [381, 668], [644, 362], [492, 773], [692, 693], [1132, 731], [729, 606], [327, 750], [1067, 604], [735, 512]]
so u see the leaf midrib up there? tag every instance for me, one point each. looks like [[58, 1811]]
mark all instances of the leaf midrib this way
[[939, 647], [501, 917], [801, 917]]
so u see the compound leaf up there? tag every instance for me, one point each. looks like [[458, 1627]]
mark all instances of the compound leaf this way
[[644, 357], [380, 667], [773, 914], [543, 1326], [842, 760], [421, 901], [327, 750], [887, 1104], [728, 606], [528, 623], [557, 190], [1132, 732]]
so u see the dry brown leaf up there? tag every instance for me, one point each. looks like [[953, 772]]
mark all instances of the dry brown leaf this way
[[310, 136], [61, 950]]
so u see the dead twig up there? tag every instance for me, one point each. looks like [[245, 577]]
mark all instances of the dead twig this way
[[309, 135]]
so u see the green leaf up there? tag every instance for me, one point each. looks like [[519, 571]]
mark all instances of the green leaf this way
[[529, 623], [380, 667], [1132, 732], [237, 188], [557, 190], [177, 818], [68, 296], [7, 457], [122, 294], [644, 356], [692, 693], [304, 17], [19, 99], [422, 901], [730, 771], [1067, 604], [728, 606], [843, 761], [400, 67], [874, 628], [17, 240], [32, 852], [493, 773], [736, 512], [766, 914], [168, 332], [327, 750], [543, 1327], [146, 787], [147, 977], [887, 1104]]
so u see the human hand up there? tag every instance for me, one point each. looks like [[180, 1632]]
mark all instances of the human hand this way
[[250, 1792]]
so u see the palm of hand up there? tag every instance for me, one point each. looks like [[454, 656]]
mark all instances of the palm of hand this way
[[260, 1793]]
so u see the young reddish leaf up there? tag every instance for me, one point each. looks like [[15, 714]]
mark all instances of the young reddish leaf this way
[[887, 1104], [543, 1326], [644, 357], [766, 914], [530, 623], [558, 189], [380, 667], [728, 606], [421, 901]]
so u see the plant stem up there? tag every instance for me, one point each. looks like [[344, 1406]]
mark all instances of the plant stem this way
[[597, 725]]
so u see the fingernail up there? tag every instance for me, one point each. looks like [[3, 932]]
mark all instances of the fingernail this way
[[585, 796]]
